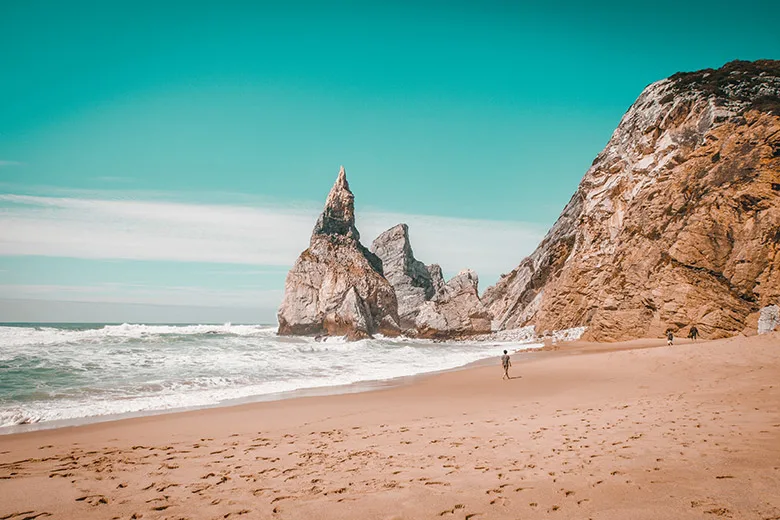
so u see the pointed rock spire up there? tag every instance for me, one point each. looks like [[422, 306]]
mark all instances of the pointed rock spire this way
[[336, 286], [411, 279], [338, 217]]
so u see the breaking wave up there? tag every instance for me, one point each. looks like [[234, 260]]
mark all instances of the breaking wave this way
[[66, 372]]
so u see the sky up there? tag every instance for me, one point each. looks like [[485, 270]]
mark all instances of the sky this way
[[166, 161]]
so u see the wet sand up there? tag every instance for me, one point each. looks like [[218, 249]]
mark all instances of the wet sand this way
[[581, 431]]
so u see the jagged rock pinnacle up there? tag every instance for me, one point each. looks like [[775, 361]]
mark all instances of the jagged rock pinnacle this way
[[411, 279], [336, 286], [338, 217]]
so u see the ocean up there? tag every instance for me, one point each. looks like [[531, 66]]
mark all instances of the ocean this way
[[57, 374]]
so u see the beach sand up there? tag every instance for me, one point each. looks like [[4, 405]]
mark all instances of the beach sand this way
[[620, 431]]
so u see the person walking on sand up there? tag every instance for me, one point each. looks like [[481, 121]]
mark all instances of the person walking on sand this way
[[506, 364], [694, 333], [669, 337]]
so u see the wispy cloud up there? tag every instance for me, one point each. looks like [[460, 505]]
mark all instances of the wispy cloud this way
[[261, 236], [149, 230], [145, 294], [9, 163]]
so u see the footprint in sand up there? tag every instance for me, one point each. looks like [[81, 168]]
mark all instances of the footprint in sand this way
[[718, 511], [93, 500], [25, 515]]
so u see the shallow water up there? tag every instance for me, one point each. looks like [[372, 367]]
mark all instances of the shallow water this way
[[66, 371]]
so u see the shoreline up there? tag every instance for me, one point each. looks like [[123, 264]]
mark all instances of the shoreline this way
[[317, 391], [529, 351], [530, 355], [604, 431]]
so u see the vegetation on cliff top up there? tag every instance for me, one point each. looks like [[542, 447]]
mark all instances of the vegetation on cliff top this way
[[743, 81]]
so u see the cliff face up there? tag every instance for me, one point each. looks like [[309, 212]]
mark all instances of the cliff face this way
[[336, 286], [677, 222]]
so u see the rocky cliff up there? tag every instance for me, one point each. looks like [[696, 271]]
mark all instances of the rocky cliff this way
[[336, 286], [414, 282], [677, 221]]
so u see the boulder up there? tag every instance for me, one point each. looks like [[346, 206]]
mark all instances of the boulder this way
[[769, 319], [456, 311]]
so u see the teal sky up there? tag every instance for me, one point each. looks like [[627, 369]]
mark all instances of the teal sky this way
[[126, 122]]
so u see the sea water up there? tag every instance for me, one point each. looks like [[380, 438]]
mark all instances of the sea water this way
[[86, 372]]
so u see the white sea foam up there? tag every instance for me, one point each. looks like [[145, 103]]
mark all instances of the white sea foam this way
[[49, 335], [571, 334], [51, 373]]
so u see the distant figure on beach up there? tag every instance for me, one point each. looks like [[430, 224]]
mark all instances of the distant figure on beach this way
[[506, 364], [693, 333], [669, 337]]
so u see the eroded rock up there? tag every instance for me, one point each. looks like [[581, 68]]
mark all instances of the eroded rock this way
[[456, 311], [769, 319], [676, 223], [414, 282], [336, 286]]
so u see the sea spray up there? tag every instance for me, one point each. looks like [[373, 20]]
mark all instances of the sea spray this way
[[67, 372]]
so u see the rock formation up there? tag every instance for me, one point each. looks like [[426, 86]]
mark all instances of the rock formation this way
[[677, 222], [414, 282], [456, 311], [769, 319], [427, 306], [336, 286], [437, 277]]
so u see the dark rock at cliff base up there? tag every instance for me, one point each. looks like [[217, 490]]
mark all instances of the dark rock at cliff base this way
[[676, 223], [336, 286], [437, 278]]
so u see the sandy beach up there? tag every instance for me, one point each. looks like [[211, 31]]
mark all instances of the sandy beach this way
[[612, 431]]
